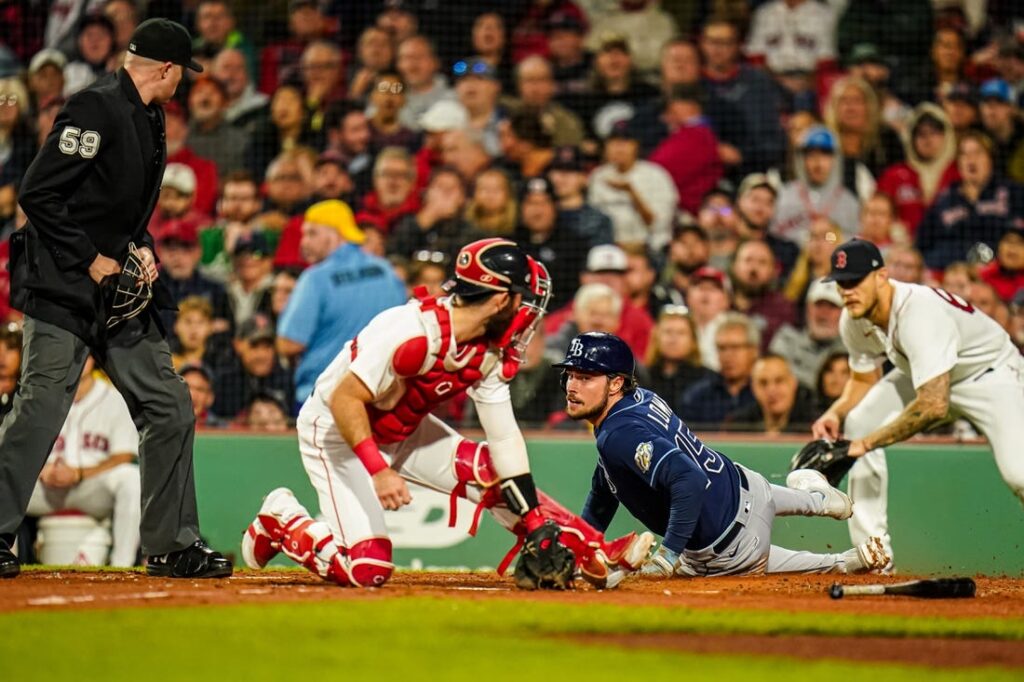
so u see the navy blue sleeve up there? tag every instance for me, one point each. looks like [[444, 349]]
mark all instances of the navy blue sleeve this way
[[601, 504], [687, 484]]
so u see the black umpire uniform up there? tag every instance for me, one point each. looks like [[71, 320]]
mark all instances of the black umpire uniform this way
[[90, 191]]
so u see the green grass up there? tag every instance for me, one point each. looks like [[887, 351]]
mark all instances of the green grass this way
[[428, 638]]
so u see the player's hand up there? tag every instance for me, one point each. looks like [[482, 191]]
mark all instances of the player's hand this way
[[662, 563], [103, 267], [59, 475], [148, 263], [858, 448], [391, 489], [826, 426]]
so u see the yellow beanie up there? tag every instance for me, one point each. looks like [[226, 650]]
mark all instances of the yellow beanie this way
[[336, 214]]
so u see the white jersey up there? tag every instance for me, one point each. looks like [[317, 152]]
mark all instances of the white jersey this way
[[98, 426], [930, 332]]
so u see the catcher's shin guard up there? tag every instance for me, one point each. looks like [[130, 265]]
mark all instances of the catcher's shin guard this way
[[261, 541], [369, 562]]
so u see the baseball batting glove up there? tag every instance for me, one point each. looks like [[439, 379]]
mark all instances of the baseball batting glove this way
[[545, 563], [830, 458], [662, 563]]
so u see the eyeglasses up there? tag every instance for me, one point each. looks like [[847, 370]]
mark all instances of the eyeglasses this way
[[675, 310], [390, 88], [475, 68], [8, 100], [425, 256]]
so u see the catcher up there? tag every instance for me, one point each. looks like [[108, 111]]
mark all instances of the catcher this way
[[367, 428], [715, 515]]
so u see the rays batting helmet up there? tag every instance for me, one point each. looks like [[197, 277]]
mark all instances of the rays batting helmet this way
[[600, 353]]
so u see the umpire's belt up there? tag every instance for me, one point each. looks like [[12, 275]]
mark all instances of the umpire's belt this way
[[737, 525]]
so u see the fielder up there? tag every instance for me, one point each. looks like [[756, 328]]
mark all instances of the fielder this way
[[367, 428], [715, 515], [950, 359]]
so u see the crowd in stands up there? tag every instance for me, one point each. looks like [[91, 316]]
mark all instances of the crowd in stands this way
[[684, 170]]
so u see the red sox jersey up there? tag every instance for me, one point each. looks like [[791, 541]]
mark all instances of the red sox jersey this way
[[98, 426], [931, 332]]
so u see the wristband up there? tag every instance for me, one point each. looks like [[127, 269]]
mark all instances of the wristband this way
[[369, 454]]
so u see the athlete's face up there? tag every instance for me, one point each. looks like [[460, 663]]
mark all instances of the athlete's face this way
[[587, 394], [860, 299], [497, 324]]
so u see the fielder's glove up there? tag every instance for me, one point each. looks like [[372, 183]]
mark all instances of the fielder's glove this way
[[662, 563], [831, 459], [545, 563]]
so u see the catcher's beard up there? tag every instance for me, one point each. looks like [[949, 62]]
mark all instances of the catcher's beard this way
[[497, 324]]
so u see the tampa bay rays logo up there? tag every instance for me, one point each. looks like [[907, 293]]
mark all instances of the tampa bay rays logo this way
[[576, 348], [643, 456]]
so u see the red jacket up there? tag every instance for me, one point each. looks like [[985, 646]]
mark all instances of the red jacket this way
[[387, 217], [901, 182], [690, 155], [1005, 282], [206, 179], [288, 254]]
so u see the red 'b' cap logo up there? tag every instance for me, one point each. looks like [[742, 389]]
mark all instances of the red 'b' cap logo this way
[[841, 260]]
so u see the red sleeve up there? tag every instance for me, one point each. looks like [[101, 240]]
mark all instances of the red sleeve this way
[[288, 254]]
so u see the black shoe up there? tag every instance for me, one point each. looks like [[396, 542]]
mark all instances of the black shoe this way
[[9, 566], [197, 561]]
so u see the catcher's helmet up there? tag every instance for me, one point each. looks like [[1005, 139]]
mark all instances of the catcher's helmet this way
[[491, 265], [601, 353]]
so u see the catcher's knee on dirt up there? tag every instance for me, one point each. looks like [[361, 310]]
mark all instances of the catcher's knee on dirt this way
[[369, 562]]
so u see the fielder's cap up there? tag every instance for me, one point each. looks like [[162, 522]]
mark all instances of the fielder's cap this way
[[255, 243], [338, 215], [755, 180], [607, 258], [962, 91], [444, 115], [565, 21], [473, 67], [47, 56], [180, 177], [708, 273], [567, 158], [818, 138], [165, 41], [866, 53], [822, 291], [613, 41], [256, 328], [854, 260], [996, 89], [537, 185]]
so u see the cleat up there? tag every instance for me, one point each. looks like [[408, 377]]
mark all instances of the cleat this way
[[195, 561], [837, 504], [261, 541]]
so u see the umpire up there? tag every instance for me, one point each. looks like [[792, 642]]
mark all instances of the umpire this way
[[88, 196]]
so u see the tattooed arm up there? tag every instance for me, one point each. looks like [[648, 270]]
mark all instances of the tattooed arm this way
[[930, 405]]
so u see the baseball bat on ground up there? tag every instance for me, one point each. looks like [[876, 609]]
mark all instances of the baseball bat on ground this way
[[940, 588]]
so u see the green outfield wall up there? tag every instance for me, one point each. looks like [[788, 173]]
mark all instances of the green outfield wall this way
[[949, 510]]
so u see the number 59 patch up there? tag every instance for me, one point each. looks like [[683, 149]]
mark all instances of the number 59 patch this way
[[74, 141]]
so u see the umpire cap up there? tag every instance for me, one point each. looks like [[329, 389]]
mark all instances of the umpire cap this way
[[165, 41], [599, 353]]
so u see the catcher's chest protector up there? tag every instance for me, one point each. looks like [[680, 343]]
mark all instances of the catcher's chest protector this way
[[431, 375]]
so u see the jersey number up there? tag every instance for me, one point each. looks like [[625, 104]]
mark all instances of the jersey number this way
[[954, 300], [74, 141], [704, 457]]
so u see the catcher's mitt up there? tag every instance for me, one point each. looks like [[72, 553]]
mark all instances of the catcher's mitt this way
[[830, 458], [545, 563], [127, 293]]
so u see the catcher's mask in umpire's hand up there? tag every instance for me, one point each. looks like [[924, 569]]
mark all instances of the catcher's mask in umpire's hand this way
[[127, 293]]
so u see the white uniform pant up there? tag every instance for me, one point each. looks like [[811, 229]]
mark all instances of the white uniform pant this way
[[115, 492], [993, 402], [348, 502], [751, 551]]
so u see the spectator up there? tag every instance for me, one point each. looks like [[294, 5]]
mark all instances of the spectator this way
[[645, 26], [375, 54], [815, 260], [571, 63], [536, 87], [252, 267], [689, 251], [641, 283], [288, 188], [387, 97], [418, 66], [706, 403], [124, 15], [200, 389], [690, 153], [322, 80], [257, 371], [46, 76], [929, 168], [237, 210], [245, 106], [439, 225], [399, 20], [832, 377], [756, 204], [719, 224], [477, 88], [178, 250], [1006, 273], [616, 91], [985, 298], [1016, 325], [279, 61], [464, 151], [92, 466], [210, 135], [331, 179], [879, 224], [958, 278], [673, 358], [948, 57], [978, 209], [45, 118], [529, 35], [960, 102], [488, 41], [335, 297], [638, 196], [781, 404], [542, 236], [795, 39], [905, 264], [442, 117], [175, 203], [178, 151], [569, 178], [536, 390], [854, 116], [428, 269], [10, 365], [17, 148], [753, 278], [805, 348], [192, 330], [751, 93], [868, 63], [596, 307], [348, 134], [1000, 118], [527, 144], [392, 196], [267, 414], [94, 54], [492, 210], [216, 30], [818, 190], [709, 298]]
